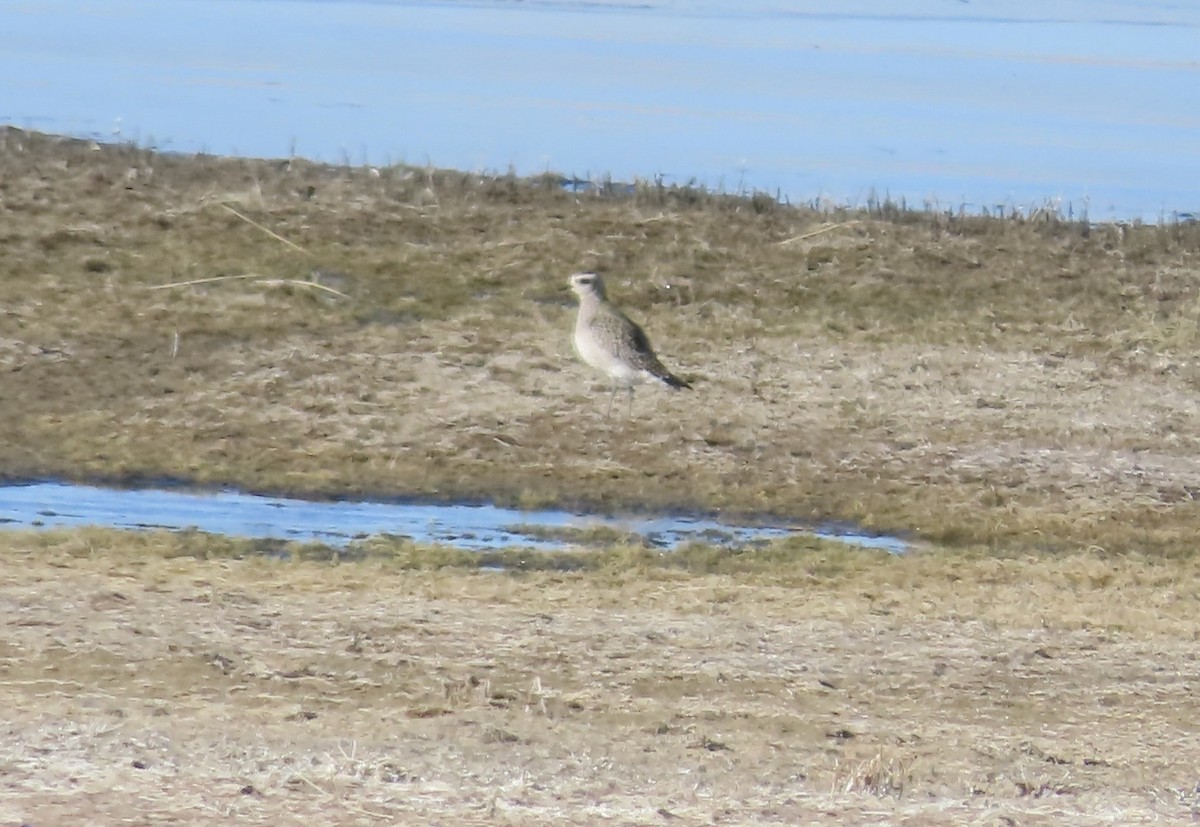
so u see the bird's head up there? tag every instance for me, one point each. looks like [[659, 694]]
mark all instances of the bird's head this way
[[587, 284]]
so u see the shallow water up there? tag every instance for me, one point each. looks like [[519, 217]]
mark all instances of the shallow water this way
[[45, 505], [1087, 105]]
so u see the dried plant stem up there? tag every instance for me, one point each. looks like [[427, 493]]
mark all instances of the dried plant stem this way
[[269, 232], [270, 281], [819, 231]]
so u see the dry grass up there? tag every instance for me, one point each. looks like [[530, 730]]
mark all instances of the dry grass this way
[[145, 682], [1020, 393], [962, 379]]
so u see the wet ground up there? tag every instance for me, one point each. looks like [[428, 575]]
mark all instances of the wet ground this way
[[477, 527]]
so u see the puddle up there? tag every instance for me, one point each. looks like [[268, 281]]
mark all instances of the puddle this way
[[46, 505]]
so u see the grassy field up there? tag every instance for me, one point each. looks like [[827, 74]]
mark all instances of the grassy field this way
[[1018, 395], [163, 679]]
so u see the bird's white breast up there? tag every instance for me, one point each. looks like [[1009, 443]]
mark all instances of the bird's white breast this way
[[601, 357]]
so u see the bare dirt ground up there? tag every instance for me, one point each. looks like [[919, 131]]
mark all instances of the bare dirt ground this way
[[1019, 396]]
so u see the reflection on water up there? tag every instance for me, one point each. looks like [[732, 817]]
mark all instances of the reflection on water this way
[[475, 527]]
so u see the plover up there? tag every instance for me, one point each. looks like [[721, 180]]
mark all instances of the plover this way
[[611, 342]]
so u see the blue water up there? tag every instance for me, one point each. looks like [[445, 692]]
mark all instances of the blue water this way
[[46, 505], [1086, 105]]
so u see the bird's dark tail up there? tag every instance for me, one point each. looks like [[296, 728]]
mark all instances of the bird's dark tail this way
[[673, 381]]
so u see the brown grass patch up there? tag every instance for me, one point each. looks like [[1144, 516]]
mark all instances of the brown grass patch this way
[[963, 379], [145, 681]]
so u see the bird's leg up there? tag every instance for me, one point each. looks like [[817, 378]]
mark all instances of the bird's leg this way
[[629, 406], [611, 397]]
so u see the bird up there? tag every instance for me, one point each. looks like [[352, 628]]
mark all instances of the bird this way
[[611, 342]]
